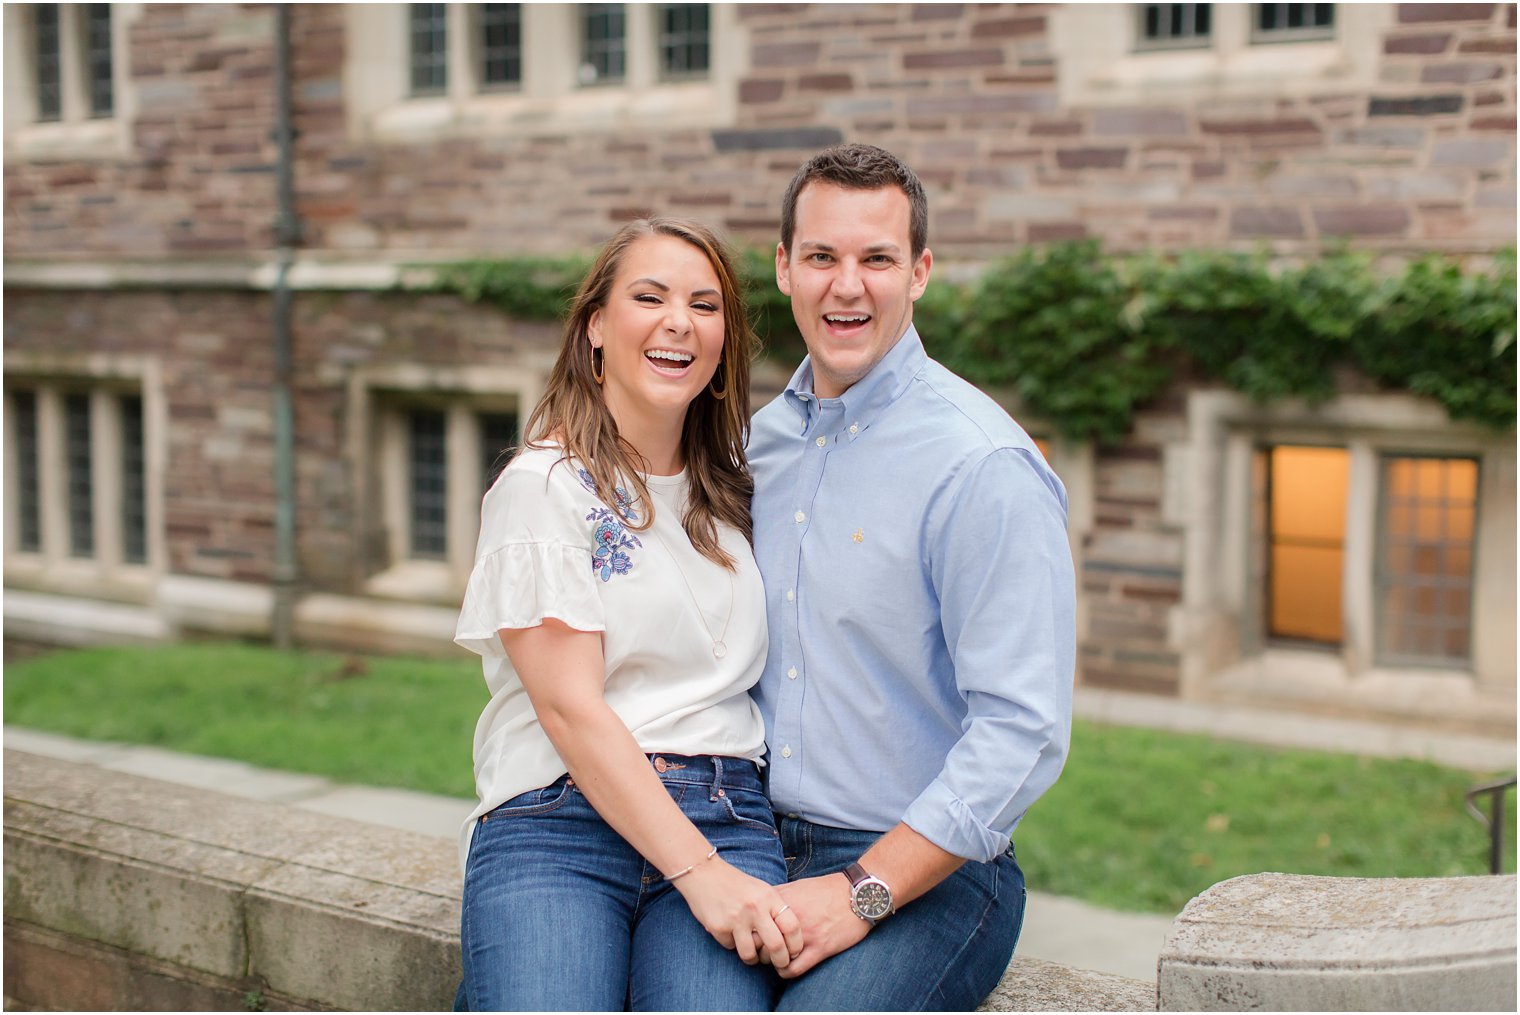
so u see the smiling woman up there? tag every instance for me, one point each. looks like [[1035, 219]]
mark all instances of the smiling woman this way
[[620, 617], [660, 335]]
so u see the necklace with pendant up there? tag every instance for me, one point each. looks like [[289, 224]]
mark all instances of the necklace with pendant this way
[[719, 647]]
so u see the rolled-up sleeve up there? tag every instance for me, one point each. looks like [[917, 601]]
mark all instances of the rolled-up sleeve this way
[[1001, 566]]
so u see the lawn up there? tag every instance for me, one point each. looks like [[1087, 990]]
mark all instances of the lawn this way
[[1140, 820]]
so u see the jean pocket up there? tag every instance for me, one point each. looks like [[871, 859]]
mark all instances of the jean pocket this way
[[749, 808], [534, 801]]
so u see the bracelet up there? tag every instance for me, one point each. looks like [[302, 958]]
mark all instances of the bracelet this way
[[687, 870]]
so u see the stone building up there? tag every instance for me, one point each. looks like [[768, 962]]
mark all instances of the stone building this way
[[143, 271]]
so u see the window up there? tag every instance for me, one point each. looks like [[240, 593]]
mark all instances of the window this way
[[1427, 522], [98, 62], [1306, 533], [498, 440], [1292, 22], [77, 475], [418, 72], [603, 44], [134, 488], [77, 455], [47, 62], [28, 482], [65, 92], [429, 53], [684, 35], [440, 438], [1129, 55], [485, 437], [429, 484], [1174, 26], [1360, 553], [500, 45], [71, 62], [1184, 26]]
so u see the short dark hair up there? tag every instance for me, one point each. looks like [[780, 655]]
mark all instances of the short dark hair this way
[[860, 167]]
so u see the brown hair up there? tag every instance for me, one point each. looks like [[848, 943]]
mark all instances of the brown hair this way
[[574, 414], [859, 167]]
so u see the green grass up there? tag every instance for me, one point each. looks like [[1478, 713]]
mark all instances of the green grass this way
[[1140, 820], [1144, 820], [381, 721]]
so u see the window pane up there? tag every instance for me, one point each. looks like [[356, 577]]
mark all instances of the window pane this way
[[429, 487], [1293, 22], [1306, 534], [98, 58], [498, 437], [77, 453], [29, 491], [47, 61], [1425, 558], [429, 49], [602, 43], [1173, 26], [684, 37], [501, 44], [134, 501]]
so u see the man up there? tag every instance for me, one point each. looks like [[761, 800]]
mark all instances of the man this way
[[919, 591]]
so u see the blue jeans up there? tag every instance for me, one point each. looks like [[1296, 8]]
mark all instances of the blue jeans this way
[[945, 951], [561, 914]]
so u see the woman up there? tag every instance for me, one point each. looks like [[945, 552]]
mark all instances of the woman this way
[[623, 842]]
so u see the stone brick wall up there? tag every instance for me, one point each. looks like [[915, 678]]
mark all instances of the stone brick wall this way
[[968, 93], [216, 353]]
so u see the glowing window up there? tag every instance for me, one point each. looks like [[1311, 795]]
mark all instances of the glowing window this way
[[1306, 533]]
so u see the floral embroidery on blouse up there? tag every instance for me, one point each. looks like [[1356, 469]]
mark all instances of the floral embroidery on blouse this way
[[612, 540], [624, 502]]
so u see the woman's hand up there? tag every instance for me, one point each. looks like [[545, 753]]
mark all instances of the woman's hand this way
[[742, 913]]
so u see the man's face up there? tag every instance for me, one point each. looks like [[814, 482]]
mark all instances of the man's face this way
[[852, 279]]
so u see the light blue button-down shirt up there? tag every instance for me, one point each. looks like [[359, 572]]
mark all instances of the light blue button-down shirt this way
[[920, 597]]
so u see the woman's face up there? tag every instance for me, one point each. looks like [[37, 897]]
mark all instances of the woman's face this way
[[660, 331]]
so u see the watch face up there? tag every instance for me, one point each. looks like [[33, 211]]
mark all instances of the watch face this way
[[872, 900]]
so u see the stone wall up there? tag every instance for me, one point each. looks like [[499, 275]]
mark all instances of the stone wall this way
[[215, 353], [1421, 157], [123, 893]]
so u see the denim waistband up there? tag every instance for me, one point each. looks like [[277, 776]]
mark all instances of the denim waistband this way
[[710, 770]]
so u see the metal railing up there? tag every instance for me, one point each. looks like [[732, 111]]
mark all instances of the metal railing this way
[[1494, 821]]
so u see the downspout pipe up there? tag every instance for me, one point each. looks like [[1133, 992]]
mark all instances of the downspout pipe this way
[[287, 236]]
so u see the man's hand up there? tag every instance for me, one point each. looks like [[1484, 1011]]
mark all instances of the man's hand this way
[[829, 925]]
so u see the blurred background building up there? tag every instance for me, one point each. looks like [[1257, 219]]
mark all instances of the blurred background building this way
[[165, 310]]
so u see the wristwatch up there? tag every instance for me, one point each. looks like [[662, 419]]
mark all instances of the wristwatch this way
[[870, 898]]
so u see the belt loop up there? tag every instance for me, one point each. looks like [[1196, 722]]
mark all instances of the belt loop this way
[[717, 784]]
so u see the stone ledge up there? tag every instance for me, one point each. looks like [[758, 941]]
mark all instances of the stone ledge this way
[[1293, 942], [326, 912], [129, 893]]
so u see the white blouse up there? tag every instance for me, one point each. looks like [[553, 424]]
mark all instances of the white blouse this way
[[549, 548]]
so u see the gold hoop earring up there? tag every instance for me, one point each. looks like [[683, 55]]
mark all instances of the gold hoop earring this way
[[719, 395], [598, 368]]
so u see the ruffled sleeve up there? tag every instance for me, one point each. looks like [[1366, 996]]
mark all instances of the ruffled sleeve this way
[[533, 562], [521, 584]]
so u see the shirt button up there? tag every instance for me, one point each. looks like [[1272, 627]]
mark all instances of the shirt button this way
[[790, 596], [786, 752], [854, 428], [799, 517], [821, 441], [791, 674]]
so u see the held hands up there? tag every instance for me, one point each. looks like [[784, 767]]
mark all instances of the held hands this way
[[742, 913], [828, 925]]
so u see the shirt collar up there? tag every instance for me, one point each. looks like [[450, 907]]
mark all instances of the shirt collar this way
[[867, 397]]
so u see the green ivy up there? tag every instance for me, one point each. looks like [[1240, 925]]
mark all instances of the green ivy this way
[[529, 288], [1085, 338]]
